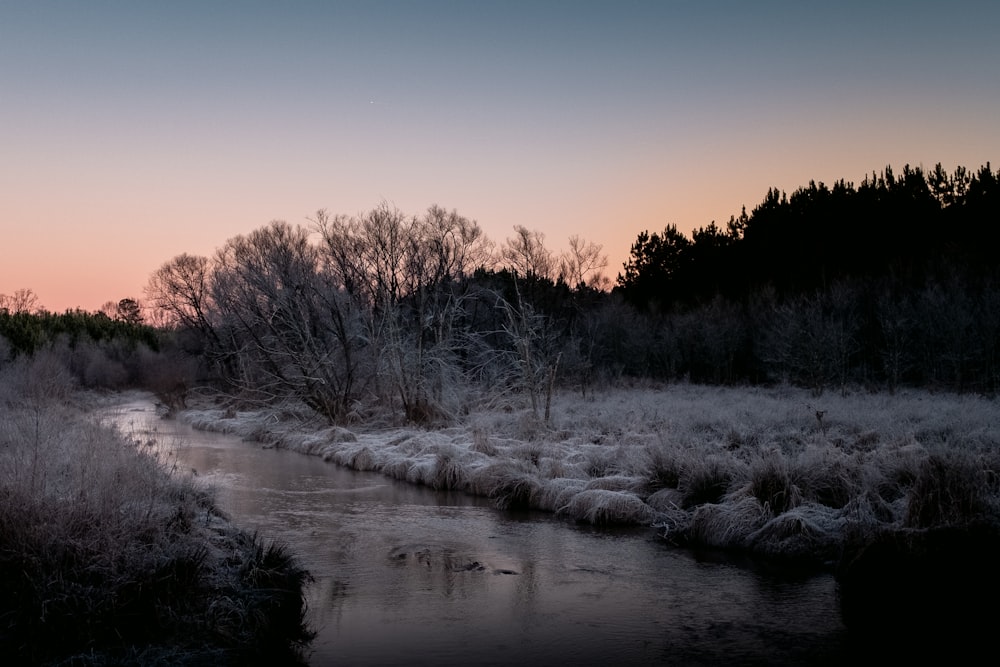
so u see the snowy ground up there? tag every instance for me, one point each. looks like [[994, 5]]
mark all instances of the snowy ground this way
[[775, 472]]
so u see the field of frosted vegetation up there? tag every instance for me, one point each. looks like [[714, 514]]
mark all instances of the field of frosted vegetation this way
[[775, 472], [109, 556]]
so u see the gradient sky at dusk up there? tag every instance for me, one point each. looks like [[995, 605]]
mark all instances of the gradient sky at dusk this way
[[131, 132]]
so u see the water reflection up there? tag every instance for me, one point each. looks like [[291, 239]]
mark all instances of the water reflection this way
[[406, 575]]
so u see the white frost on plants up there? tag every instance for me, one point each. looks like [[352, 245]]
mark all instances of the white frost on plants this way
[[773, 470]]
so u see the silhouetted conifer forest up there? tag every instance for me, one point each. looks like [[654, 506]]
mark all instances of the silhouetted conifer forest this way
[[888, 284]]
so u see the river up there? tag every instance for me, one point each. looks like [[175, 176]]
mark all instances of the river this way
[[407, 575]]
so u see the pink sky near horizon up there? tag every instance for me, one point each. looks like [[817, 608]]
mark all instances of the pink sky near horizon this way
[[132, 133]]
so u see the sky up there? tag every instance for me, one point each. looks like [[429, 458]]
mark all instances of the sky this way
[[132, 132]]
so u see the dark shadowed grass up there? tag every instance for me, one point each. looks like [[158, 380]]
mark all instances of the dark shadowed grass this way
[[950, 488], [107, 557], [926, 592]]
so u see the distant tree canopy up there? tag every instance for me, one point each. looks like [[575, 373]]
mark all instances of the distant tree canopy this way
[[903, 229], [890, 283], [27, 332]]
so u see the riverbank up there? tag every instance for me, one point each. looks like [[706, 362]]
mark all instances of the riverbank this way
[[108, 556], [899, 495], [775, 473]]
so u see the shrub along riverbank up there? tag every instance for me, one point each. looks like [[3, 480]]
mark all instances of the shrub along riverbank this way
[[109, 557]]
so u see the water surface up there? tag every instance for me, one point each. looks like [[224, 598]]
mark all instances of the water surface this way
[[407, 575]]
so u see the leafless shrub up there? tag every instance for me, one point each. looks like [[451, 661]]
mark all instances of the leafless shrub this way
[[812, 338], [97, 369], [171, 376], [5, 351], [41, 379]]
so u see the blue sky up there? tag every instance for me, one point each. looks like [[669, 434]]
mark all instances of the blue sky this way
[[134, 131]]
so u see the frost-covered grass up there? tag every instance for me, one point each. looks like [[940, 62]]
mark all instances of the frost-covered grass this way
[[107, 557], [773, 471]]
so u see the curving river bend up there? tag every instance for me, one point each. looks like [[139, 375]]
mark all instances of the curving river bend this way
[[407, 575]]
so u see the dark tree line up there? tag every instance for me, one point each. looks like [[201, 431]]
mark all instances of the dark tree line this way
[[25, 332], [900, 230], [97, 350], [888, 284], [893, 282]]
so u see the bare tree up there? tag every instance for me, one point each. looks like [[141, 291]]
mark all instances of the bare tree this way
[[368, 257], [535, 357], [21, 301], [454, 244], [526, 255], [402, 270], [108, 309], [180, 294], [371, 305], [181, 289], [446, 248], [293, 330], [583, 263]]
